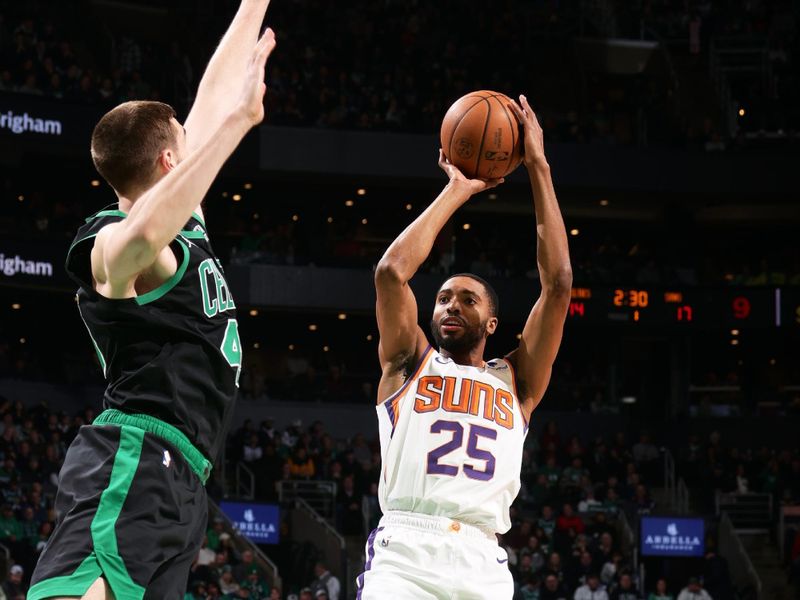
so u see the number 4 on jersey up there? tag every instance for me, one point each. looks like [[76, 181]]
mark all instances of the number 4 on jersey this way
[[232, 347]]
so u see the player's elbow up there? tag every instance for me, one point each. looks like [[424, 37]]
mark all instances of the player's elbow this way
[[146, 242], [389, 271], [141, 246], [559, 283]]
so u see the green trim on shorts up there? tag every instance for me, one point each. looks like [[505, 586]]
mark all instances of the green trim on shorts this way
[[197, 461], [75, 584], [104, 560], [104, 535]]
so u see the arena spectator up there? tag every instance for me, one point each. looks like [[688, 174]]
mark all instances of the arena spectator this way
[[591, 590], [553, 589], [326, 582], [14, 587], [625, 590], [569, 520], [660, 593], [348, 508], [694, 591], [252, 451], [301, 466]]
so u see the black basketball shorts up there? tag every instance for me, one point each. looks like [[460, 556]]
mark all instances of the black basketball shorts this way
[[131, 508]]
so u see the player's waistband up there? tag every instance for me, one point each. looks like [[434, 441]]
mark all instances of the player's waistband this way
[[196, 460], [445, 525]]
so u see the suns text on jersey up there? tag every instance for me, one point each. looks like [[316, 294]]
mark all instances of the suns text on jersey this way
[[464, 395]]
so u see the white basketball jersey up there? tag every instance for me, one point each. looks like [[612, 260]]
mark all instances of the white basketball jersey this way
[[451, 442]]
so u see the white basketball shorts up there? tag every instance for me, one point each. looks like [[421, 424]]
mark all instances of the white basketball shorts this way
[[416, 556]]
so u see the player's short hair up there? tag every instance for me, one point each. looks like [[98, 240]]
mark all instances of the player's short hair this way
[[127, 141], [494, 301]]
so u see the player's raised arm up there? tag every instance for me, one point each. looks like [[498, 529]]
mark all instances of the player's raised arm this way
[[123, 250], [541, 336], [401, 339], [224, 74]]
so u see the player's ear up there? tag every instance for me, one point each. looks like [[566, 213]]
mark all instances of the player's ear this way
[[167, 160], [491, 325]]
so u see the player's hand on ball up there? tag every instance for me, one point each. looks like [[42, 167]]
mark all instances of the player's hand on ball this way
[[457, 177], [534, 137], [252, 104]]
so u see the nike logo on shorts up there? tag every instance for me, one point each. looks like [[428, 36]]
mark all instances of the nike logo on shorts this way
[[505, 560]]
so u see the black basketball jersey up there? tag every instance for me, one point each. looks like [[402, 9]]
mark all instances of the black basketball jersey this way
[[172, 353]]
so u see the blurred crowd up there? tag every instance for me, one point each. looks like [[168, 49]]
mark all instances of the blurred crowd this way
[[33, 442], [399, 65], [319, 230], [573, 523], [713, 466], [60, 51]]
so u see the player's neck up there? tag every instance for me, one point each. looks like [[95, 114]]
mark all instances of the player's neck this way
[[125, 204], [472, 358]]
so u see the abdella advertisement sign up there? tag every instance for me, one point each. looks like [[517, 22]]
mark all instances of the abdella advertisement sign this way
[[259, 522], [664, 536]]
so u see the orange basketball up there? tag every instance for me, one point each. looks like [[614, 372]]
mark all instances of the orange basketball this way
[[481, 136]]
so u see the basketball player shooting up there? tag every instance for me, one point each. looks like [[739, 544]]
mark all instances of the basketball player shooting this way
[[452, 425], [131, 504]]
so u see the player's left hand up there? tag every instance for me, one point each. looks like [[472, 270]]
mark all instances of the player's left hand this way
[[458, 178], [534, 137]]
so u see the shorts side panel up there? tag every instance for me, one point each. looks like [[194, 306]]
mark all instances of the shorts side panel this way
[[163, 520], [74, 584], [85, 473], [104, 524], [482, 571], [405, 564]]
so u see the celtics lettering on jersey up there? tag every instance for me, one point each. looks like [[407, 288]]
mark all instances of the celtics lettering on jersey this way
[[217, 299]]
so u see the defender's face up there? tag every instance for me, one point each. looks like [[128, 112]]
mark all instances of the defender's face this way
[[462, 314]]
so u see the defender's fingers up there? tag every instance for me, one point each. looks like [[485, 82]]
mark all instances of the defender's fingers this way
[[265, 45]]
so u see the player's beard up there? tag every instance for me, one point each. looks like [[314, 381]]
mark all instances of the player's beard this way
[[460, 345]]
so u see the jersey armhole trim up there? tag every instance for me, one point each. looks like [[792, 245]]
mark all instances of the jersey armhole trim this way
[[193, 235], [107, 213], [86, 285], [516, 391], [199, 220], [393, 401], [414, 373], [170, 283]]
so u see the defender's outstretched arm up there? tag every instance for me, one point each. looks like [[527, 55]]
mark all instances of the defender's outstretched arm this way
[[123, 250], [217, 93]]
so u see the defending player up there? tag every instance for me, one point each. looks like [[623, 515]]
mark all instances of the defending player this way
[[451, 424], [132, 509]]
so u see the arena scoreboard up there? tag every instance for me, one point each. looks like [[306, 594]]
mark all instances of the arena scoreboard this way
[[686, 307]]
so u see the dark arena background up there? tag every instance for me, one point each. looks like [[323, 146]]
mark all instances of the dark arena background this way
[[666, 445]]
